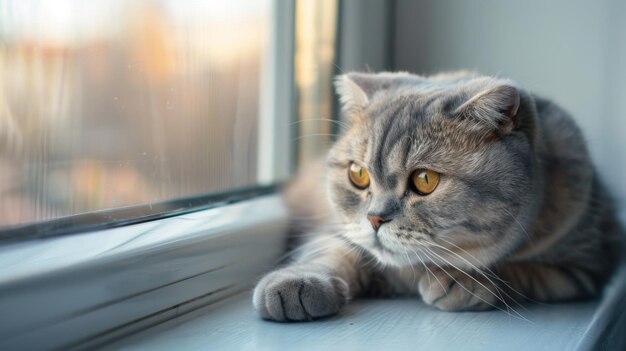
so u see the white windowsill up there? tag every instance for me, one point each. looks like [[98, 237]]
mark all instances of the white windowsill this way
[[87, 288], [402, 324]]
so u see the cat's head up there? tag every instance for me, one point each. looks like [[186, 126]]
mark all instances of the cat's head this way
[[433, 168]]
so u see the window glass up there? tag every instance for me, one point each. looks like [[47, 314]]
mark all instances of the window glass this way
[[110, 103], [315, 67]]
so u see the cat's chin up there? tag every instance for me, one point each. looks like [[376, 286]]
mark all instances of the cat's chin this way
[[383, 255], [388, 258]]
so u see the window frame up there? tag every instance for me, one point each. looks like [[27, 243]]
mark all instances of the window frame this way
[[128, 215]]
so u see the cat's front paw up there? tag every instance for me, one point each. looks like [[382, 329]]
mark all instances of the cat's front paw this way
[[453, 290], [297, 295]]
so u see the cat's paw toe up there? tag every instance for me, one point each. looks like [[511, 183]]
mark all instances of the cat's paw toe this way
[[295, 295], [456, 291]]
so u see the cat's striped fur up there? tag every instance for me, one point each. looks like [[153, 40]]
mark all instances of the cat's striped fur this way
[[519, 213]]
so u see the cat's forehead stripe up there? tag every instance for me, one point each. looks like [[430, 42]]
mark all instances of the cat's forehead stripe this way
[[397, 128]]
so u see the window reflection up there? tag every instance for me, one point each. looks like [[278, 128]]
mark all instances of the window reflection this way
[[108, 103]]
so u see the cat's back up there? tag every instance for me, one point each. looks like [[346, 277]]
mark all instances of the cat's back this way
[[578, 210], [561, 138]]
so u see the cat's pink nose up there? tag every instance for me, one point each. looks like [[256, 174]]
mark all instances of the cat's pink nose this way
[[376, 221]]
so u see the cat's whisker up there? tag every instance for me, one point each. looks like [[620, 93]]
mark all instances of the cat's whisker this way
[[339, 68], [463, 271], [481, 272], [426, 269], [315, 216], [517, 314], [411, 267], [492, 274], [429, 272], [315, 135], [451, 243], [472, 265], [316, 246], [530, 240], [467, 290], [339, 123], [351, 248], [408, 262], [455, 280], [434, 275]]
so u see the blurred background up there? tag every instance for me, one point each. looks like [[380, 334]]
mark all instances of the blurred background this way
[[111, 103]]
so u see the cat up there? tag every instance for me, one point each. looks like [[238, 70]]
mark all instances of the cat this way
[[465, 190]]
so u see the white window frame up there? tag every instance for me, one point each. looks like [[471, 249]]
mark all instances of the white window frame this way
[[85, 289]]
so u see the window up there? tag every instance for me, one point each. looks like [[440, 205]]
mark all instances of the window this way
[[107, 104], [136, 126]]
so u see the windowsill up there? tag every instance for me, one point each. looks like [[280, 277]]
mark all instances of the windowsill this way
[[90, 287], [232, 324]]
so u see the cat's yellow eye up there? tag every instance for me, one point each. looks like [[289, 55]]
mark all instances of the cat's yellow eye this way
[[359, 176], [425, 181]]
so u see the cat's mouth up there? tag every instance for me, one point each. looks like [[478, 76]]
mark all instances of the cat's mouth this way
[[397, 248], [388, 247], [391, 253]]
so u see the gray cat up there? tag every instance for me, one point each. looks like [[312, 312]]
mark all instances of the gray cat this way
[[463, 189]]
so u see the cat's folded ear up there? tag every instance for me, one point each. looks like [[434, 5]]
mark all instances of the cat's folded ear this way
[[356, 90], [495, 107], [352, 96]]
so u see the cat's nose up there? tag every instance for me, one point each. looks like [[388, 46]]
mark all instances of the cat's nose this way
[[377, 221]]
